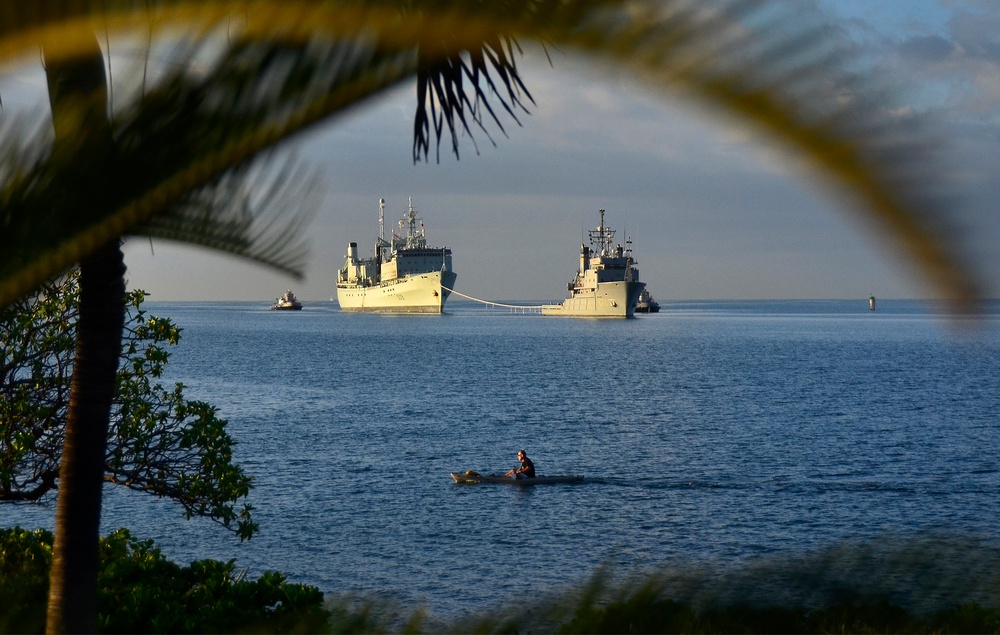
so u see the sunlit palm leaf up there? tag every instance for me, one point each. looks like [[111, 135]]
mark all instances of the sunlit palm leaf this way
[[763, 62], [265, 224]]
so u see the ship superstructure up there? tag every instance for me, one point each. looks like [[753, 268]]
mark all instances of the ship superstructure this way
[[403, 276], [606, 283]]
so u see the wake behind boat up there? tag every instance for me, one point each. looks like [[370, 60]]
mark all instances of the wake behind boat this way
[[404, 276], [472, 478]]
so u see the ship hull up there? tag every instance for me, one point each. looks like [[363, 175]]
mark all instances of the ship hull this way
[[418, 293], [608, 300]]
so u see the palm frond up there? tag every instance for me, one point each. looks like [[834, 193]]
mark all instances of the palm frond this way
[[258, 213], [181, 152], [444, 101]]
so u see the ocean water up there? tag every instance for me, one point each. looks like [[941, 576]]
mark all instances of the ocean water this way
[[818, 438]]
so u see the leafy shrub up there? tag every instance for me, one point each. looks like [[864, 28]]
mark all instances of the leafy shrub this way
[[159, 442], [25, 560], [139, 591]]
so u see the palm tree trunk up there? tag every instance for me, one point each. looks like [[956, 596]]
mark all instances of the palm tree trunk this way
[[78, 96], [73, 581]]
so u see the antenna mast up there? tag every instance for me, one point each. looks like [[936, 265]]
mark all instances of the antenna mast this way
[[381, 220]]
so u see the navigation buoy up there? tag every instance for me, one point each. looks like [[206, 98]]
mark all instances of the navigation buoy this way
[[871, 303]]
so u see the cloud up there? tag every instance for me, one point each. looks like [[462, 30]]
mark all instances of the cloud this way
[[927, 49], [977, 33]]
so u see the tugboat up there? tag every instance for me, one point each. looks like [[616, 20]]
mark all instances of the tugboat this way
[[646, 303], [287, 302], [607, 282], [404, 276]]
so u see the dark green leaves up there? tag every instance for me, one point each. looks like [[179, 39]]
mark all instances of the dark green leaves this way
[[159, 442], [140, 591]]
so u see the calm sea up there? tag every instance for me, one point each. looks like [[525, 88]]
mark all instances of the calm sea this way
[[818, 437]]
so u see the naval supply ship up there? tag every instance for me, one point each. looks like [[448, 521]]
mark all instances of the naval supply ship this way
[[607, 282], [404, 275]]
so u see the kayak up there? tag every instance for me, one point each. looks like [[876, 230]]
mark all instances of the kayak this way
[[471, 477]]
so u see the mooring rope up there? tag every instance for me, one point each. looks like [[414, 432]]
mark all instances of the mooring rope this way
[[491, 303]]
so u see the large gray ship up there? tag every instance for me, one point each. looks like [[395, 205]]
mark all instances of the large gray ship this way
[[607, 282], [404, 275]]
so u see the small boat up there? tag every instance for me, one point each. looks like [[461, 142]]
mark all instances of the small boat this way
[[287, 302], [470, 478], [646, 303]]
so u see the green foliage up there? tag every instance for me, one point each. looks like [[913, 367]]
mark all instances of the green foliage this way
[[928, 583], [642, 610], [158, 442], [141, 591], [968, 618], [36, 341], [643, 614], [25, 560]]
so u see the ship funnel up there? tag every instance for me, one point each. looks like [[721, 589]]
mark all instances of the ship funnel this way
[[352, 249]]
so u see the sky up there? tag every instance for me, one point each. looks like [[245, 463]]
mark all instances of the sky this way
[[714, 210]]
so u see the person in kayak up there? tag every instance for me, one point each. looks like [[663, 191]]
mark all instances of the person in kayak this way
[[527, 469]]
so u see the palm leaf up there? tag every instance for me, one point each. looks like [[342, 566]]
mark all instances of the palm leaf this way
[[180, 164], [761, 62], [263, 223]]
